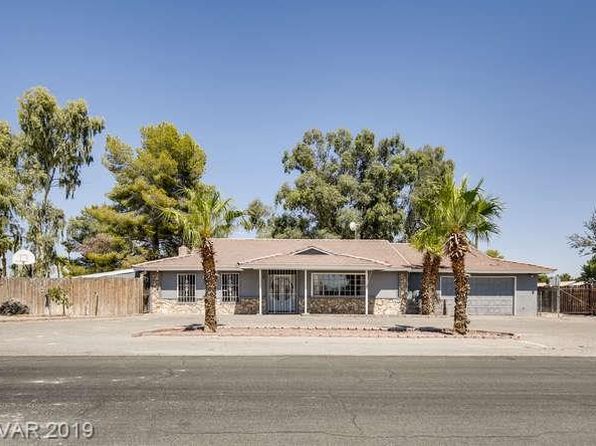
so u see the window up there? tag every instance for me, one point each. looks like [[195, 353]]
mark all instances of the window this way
[[186, 288], [229, 287], [346, 285]]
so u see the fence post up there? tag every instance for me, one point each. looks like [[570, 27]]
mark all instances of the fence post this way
[[557, 284], [539, 295]]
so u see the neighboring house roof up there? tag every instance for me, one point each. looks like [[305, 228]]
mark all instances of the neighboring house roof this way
[[476, 262], [328, 254], [115, 273], [566, 283]]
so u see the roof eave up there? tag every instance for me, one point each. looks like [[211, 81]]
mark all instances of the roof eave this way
[[320, 267]]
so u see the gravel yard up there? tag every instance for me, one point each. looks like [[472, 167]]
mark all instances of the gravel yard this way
[[399, 331]]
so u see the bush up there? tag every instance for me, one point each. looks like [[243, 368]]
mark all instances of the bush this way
[[58, 295], [12, 307]]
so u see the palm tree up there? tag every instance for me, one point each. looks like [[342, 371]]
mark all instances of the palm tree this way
[[205, 216], [428, 241], [460, 213]]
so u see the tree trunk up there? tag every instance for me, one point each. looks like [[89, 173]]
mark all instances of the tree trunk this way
[[434, 279], [4, 266], [430, 276], [462, 288], [209, 274], [425, 285]]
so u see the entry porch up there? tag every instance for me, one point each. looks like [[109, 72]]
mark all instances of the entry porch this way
[[303, 291]]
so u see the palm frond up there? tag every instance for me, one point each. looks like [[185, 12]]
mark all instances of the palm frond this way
[[204, 215]]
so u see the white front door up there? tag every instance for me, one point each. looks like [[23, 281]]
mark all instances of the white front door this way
[[281, 293]]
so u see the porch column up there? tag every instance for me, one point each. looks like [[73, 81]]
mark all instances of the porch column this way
[[305, 292], [366, 292], [260, 292]]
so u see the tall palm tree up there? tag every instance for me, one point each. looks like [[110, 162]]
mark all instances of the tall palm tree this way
[[428, 241], [462, 213], [205, 216]]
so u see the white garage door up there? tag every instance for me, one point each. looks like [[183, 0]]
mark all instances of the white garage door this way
[[488, 295]]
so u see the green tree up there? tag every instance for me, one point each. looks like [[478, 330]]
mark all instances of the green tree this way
[[494, 253], [55, 142], [543, 278], [97, 246], [258, 218], [420, 229], [131, 228], [431, 168], [205, 216], [589, 270], [429, 241], [9, 195], [341, 178], [585, 243], [565, 277], [462, 212]]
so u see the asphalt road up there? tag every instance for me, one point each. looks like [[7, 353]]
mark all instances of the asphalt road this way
[[306, 400]]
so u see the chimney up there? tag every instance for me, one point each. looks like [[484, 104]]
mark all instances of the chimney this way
[[183, 251]]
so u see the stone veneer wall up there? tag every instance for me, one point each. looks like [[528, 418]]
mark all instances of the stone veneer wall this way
[[351, 305], [336, 305], [385, 306], [171, 306], [316, 305]]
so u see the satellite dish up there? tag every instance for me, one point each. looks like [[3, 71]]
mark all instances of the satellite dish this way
[[353, 226], [23, 257]]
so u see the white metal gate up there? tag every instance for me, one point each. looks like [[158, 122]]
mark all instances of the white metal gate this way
[[281, 292]]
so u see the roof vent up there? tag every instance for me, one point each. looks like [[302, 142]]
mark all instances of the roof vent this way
[[311, 251]]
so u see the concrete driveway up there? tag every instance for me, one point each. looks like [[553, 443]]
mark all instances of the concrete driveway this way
[[538, 336]]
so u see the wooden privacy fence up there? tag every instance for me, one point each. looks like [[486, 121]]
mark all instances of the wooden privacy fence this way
[[106, 296], [571, 299]]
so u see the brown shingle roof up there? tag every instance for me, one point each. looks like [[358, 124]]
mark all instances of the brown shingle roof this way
[[234, 254], [476, 262], [315, 257], [251, 253]]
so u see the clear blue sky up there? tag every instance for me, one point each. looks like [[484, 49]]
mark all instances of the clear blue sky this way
[[508, 87]]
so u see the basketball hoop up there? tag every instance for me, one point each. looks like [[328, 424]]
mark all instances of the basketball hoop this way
[[23, 257]]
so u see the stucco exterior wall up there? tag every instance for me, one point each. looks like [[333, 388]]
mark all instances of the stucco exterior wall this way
[[526, 296], [386, 296]]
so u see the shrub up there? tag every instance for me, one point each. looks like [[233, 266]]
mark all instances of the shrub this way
[[58, 295], [12, 307]]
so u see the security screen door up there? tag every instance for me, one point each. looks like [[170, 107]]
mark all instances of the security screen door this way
[[281, 296]]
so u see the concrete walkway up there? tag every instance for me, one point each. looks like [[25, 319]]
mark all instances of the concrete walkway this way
[[538, 336]]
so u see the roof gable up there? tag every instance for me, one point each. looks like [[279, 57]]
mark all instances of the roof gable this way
[[311, 251]]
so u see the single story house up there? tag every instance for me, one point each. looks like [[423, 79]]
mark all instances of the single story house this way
[[258, 276]]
